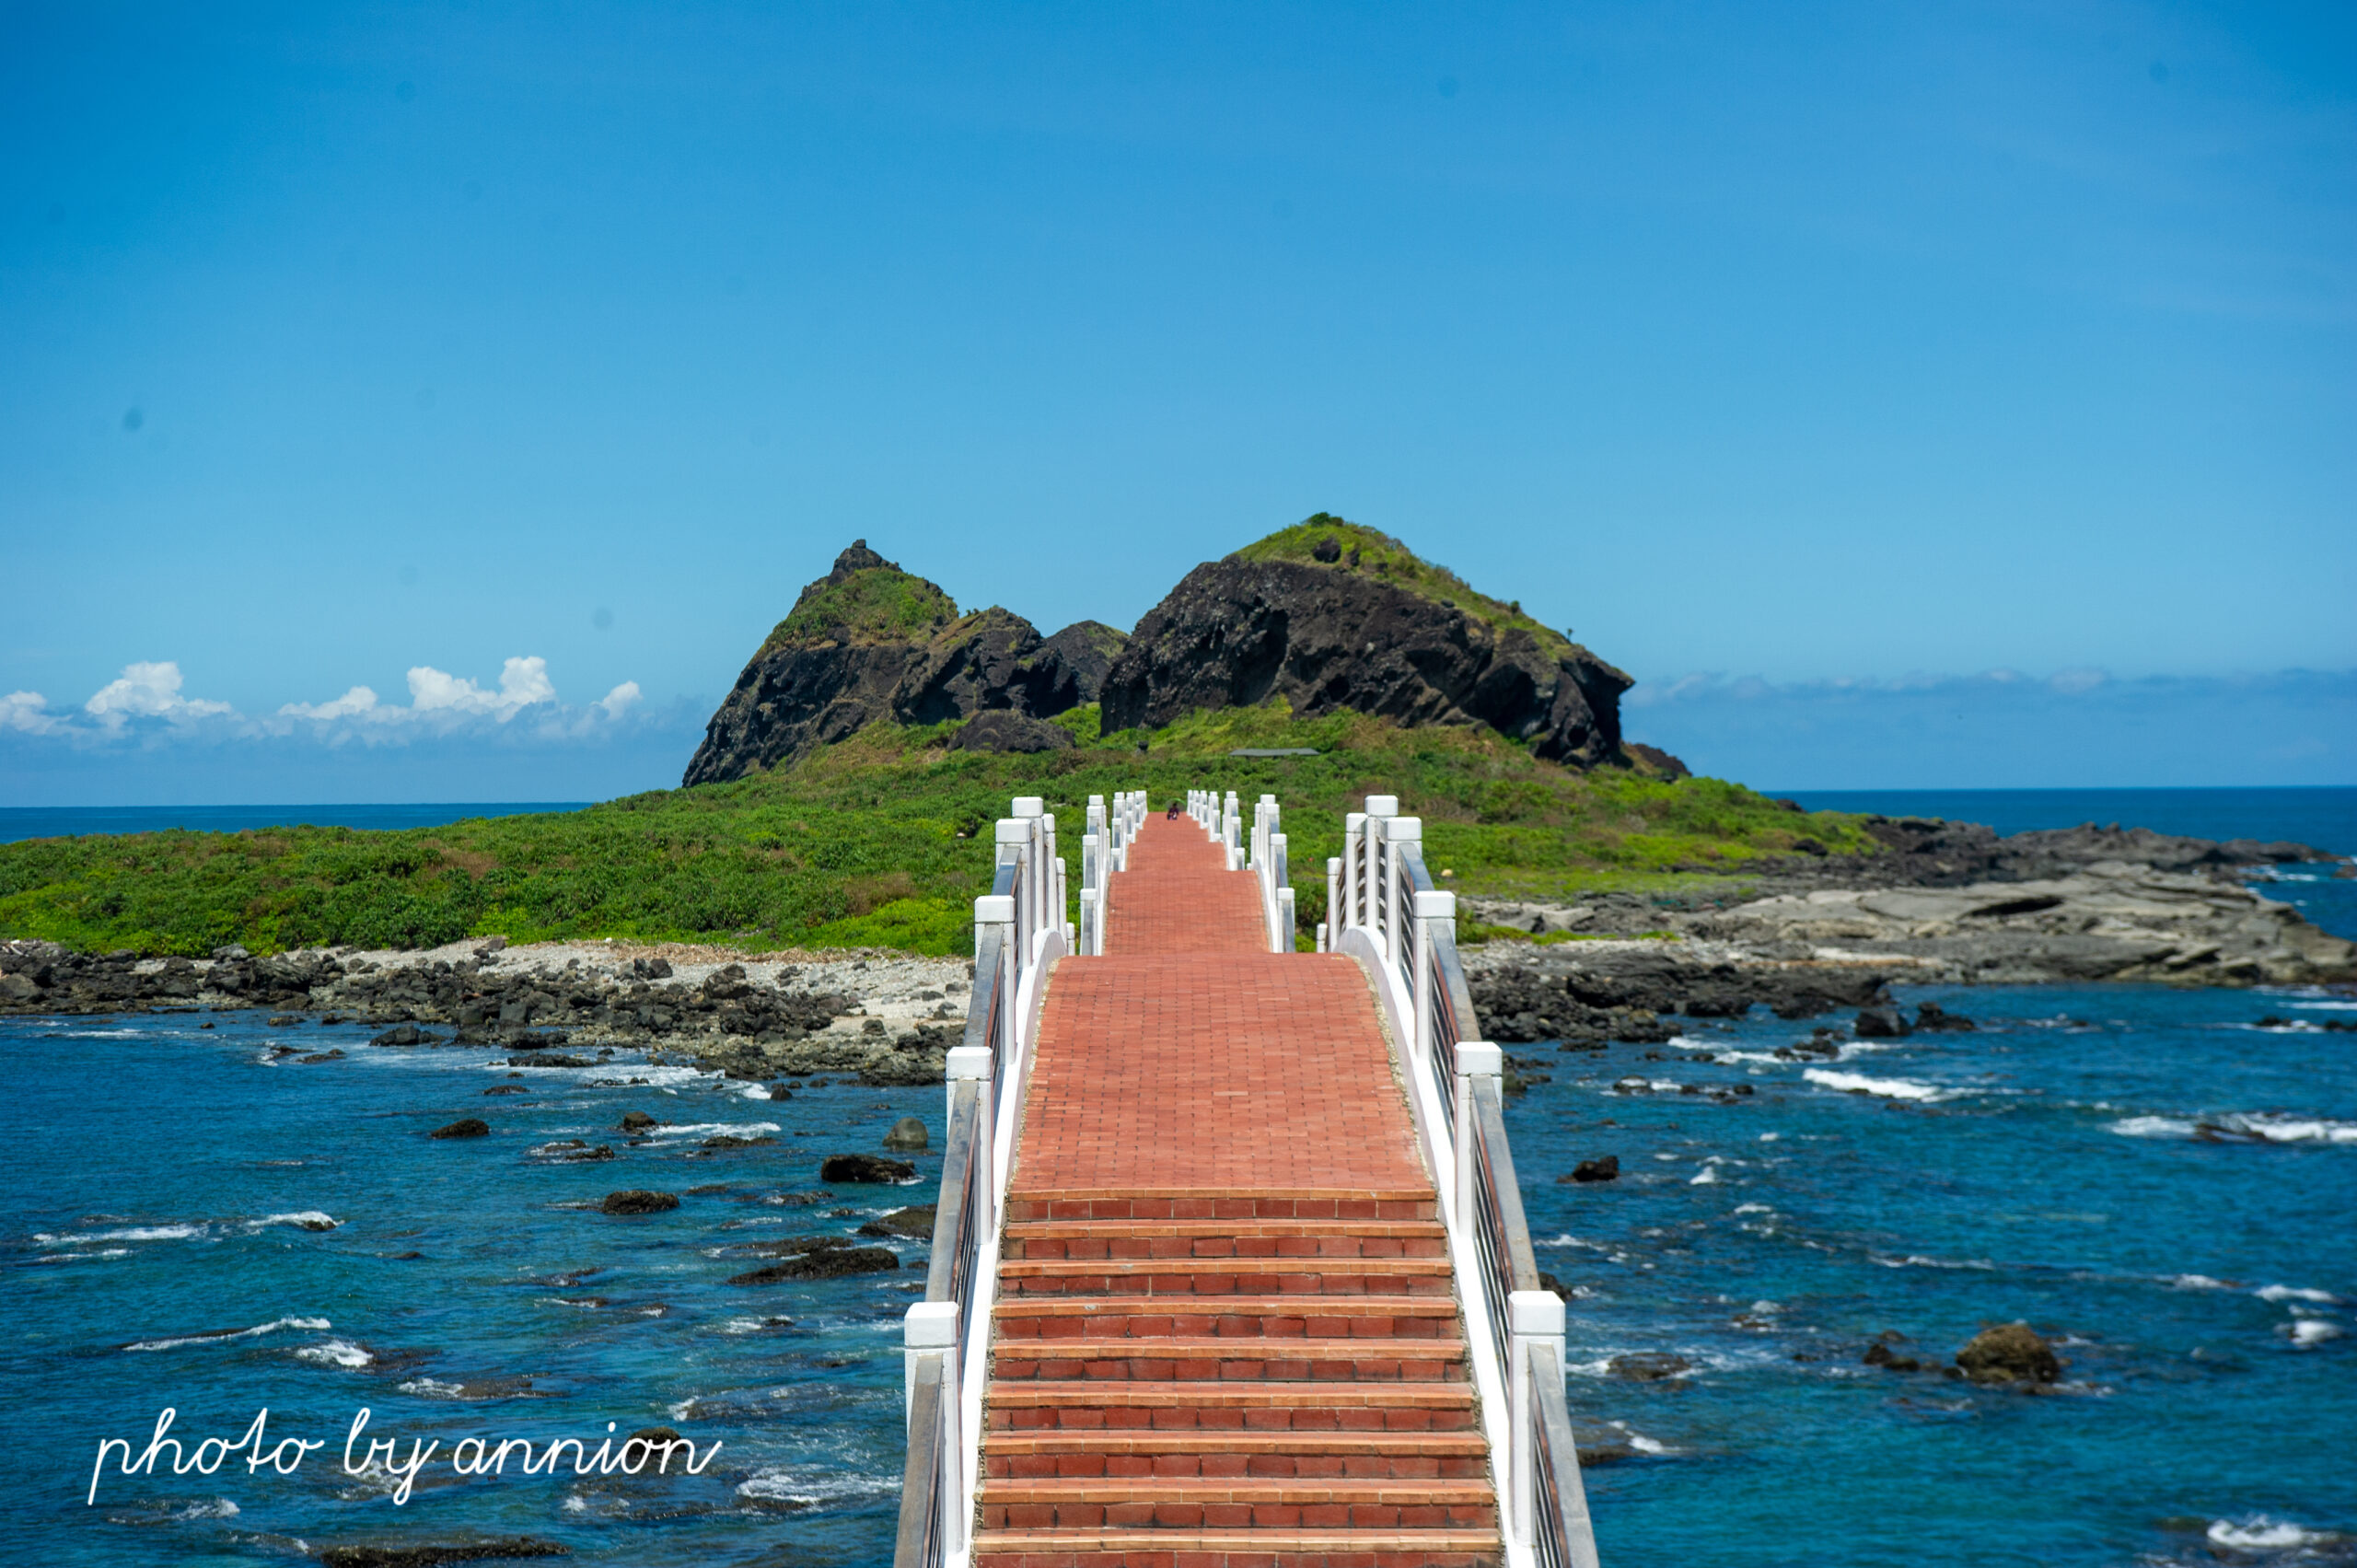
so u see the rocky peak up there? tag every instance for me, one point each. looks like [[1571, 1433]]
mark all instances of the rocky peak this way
[[870, 642], [1329, 614], [864, 598]]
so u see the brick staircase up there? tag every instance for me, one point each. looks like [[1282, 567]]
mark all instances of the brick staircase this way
[[1241, 1380]]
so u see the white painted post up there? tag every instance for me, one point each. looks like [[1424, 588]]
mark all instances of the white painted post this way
[[997, 909], [1353, 872], [1325, 929], [1371, 878], [1284, 919], [971, 1064], [1432, 913], [1397, 833], [1475, 1059], [931, 1328], [1015, 849], [1334, 911], [1533, 1317]]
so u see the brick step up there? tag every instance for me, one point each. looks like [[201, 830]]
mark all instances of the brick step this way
[[1225, 1239], [1196, 1204], [1024, 1319], [1358, 1456], [1239, 1549], [1138, 1406], [1223, 1276], [1226, 1503], [1194, 1359]]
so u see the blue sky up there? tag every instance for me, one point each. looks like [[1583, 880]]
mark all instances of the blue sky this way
[[1786, 354]]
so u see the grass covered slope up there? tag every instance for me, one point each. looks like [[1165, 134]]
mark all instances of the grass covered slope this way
[[1388, 559], [883, 840]]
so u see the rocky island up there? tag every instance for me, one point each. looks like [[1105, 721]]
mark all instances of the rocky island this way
[[879, 726]]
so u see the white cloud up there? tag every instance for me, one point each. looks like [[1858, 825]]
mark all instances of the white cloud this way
[[523, 682], [147, 691], [146, 700], [29, 711], [353, 704]]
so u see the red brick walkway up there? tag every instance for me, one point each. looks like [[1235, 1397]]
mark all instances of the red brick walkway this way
[[1210, 1120]]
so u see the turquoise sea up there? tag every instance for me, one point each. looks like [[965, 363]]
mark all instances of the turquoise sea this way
[[2161, 1181]]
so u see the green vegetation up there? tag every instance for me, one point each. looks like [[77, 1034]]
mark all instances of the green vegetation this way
[[875, 604], [1363, 550], [885, 839]]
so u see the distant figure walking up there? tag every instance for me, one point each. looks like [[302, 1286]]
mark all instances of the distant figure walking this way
[[1171, 815]]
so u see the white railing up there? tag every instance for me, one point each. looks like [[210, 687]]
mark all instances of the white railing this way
[[1020, 927], [1383, 909], [1104, 850], [1263, 854]]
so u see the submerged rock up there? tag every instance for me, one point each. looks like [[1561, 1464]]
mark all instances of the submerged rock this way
[[907, 1133], [828, 1263], [1606, 1168], [2010, 1352], [441, 1553], [1651, 1366], [917, 1221], [870, 1168], [465, 1127], [638, 1200]]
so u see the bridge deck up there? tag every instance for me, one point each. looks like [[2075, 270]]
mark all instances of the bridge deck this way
[[1225, 1331]]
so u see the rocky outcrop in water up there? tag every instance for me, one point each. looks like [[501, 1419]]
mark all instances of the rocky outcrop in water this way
[[885, 1021], [869, 641], [1329, 615]]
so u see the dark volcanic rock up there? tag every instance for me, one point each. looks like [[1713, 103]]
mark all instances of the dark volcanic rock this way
[[2010, 1352], [1002, 730], [907, 1133], [1375, 630], [638, 1200], [434, 1555], [1604, 1169], [828, 1263], [1881, 1023], [465, 1127], [1932, 1018], [1648, 1366], [1089, 648], [915, 1221], [865, 1168], [869, 641]]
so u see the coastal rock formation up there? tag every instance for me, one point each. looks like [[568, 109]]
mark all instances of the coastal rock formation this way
[[869, 642], [1004, 731], [1329, 615], [2109, 921]]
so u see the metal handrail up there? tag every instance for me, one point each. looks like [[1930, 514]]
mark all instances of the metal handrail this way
[[1503, 1234], [1565, 1538], [956, 1230], [919, 1544]]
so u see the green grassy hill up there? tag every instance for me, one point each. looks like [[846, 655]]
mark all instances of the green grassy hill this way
[[885, 841]]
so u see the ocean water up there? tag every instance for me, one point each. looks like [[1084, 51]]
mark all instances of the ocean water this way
[[2151, 1177], [54, 821]]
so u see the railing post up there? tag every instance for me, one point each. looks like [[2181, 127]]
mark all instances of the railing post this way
[[1431, 911], [1534, 1318], [931, 1328], [1397, 833], [1474, 1059], [1354, 859], [1371, 872], [998, 910], [972, 1062], [1284, 919]]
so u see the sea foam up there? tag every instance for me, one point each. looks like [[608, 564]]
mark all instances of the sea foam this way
[[1859, 1084]]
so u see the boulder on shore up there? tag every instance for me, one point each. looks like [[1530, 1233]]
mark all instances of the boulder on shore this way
[[2010, 1352], [638, 1200]]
